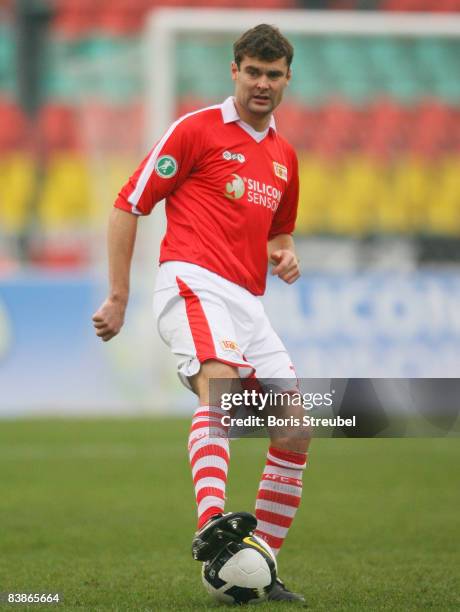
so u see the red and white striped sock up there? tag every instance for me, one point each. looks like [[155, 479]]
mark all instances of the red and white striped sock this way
[[209, 454], [279, 495]]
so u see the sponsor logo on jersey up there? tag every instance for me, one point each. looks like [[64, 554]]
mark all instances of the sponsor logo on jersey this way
[[234, 188], [262, 194], [166, 166], [256, 192], [230, 345], [280, 170], [229, 156]]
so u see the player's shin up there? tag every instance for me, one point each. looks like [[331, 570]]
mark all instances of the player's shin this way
[[279, 495], [209, 454]]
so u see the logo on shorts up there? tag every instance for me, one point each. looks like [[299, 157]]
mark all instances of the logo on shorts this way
[[230, 345], [228, 156], [234, 188], [166, 166], [280, 170]]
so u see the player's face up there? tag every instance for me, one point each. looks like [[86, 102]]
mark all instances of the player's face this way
[[259, 85]]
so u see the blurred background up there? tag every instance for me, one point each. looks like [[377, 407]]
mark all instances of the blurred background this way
[[374, 117]]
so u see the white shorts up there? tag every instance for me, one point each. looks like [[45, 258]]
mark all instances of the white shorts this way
[[202, 316]]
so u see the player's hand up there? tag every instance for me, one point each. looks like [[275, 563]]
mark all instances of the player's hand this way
[[109, 319], [286, 265]]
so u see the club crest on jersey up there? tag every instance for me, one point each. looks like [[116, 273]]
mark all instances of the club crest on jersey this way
[[166, 166], [280, 170], [230, 345], [234, 188], [228, 156]]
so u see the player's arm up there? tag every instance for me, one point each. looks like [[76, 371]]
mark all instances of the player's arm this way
[[162, 171], [110, 316], [282, 255]]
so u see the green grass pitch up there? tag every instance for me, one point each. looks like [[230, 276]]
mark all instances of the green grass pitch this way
[[102, 511]]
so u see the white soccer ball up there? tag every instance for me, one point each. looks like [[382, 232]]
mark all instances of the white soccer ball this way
[[241, 573]]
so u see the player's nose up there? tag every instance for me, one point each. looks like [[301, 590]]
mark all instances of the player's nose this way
[[263, 82]]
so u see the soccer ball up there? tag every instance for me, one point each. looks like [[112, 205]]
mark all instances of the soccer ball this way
[[242, 572]]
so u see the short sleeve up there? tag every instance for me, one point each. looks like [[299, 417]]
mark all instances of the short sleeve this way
[[163, 170]]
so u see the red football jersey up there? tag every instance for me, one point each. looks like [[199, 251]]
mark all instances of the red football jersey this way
[[226, 193]]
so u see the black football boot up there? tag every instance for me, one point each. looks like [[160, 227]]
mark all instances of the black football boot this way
[[219, 531]]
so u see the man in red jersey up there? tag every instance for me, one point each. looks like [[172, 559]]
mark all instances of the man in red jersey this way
[[231, 188]]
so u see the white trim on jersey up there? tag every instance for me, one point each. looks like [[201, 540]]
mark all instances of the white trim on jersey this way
[[258, 136], [150, 165]]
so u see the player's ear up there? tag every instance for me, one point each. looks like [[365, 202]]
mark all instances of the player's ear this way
[[234, 71], [289, 75]]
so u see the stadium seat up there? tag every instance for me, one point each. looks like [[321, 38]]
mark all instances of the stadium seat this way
[[8, 68], [390, 209], [118, 169], [17, 182], [406, 5], [413, 187], [59, 128], [432, 129], [445, 6], [75, 18], [352, 207], [120, 17], [394, 68], [350, 5], [343, 5], [368, 5], [391, 217], [14, 126], [111, 129], [329, 67], [389, 126], [448, 88], [342, 53], [455, 131], [310, 83], [66, 198], [444, 219], [211, 84], [436, 60], [189, 104], [347, 68], [105, 68], [337, 132], [317, 182], [272, 4], [297, 123], [446, 196]]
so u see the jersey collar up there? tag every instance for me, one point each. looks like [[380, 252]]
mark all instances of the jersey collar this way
[[230, 114]]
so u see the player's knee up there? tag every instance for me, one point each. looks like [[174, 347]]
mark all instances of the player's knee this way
[[212, 370], [216, 369]]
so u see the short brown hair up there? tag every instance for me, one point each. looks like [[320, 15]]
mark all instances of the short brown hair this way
[[264, 42]]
